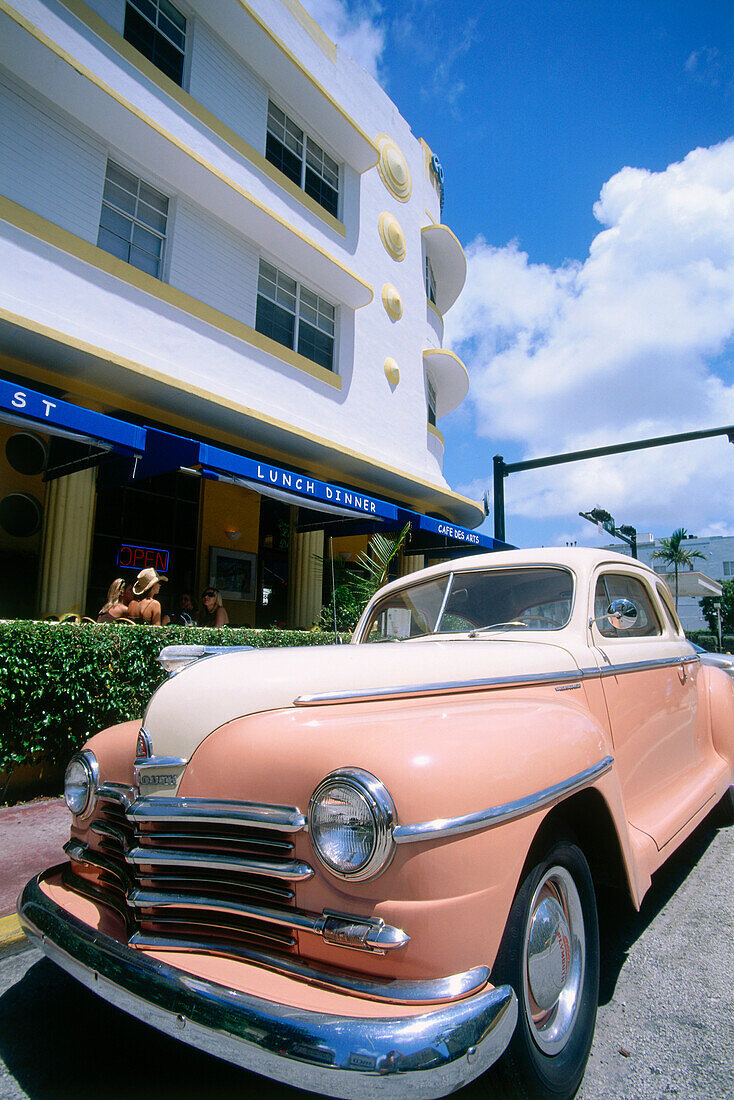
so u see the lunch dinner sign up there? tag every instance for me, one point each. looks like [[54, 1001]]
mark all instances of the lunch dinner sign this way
[[216, 462]]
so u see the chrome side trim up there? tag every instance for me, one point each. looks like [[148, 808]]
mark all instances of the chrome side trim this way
[[378, 936], [425, 1054], [453, 686], [292, 870], [497, 815], [642, 666], [439, 688], [397, 991], [255, 815]]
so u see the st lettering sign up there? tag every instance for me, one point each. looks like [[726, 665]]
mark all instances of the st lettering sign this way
[[130, 556]]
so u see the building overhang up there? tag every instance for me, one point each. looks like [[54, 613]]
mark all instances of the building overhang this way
[[448, 262], [693, 583], [177, 154], [240, 25], [449, 377], [53, 358]]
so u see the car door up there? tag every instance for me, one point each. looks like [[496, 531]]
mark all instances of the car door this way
[[649, 680]]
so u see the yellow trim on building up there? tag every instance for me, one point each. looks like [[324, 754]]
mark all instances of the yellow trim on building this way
[[110, 36], [392, 235], [113, 400], [44, 230], [393, 168], [94, 79], [311, 28], [392, 301], [433, 430], [436, 310]]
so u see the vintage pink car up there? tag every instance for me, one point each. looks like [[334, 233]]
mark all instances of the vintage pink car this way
[[372, 868]]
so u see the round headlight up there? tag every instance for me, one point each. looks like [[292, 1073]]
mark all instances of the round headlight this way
[[80, 782], [350, 818]]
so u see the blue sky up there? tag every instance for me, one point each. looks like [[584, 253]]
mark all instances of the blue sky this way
[[590, 180]]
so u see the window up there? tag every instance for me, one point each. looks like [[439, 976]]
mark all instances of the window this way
[[132, 224], [670, 612], [301, 159], [430, 282], [431, 400], [618, 586], [296, 317], [729, 568], [507, 600], [158, 30]]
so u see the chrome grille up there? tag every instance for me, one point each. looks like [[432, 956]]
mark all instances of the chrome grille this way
[[193, 870]]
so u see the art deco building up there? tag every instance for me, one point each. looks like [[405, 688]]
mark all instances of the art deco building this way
[[222, 285]]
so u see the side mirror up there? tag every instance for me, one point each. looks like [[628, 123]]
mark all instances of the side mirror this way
[[622, 614]]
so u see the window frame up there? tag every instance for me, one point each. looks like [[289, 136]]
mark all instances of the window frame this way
[[297, 318], [626, 635], [165, 238], [187, 33], [306, 137]]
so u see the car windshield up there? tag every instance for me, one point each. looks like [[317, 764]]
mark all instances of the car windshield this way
[[482, 602]]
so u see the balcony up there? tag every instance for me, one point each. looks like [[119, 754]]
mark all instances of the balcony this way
[[448, 262], [449, 377]]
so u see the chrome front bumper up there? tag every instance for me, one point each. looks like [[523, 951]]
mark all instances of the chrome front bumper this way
[[426, 1055]]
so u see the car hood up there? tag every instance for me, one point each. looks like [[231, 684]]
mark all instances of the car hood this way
[[217, 690]]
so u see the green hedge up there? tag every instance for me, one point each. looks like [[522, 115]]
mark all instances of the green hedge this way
[[60, 683], [710, 641]]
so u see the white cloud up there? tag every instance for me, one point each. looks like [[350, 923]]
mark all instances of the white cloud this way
[[354, 27], [635, 342]]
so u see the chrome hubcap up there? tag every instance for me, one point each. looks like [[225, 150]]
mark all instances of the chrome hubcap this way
[[554, 954]]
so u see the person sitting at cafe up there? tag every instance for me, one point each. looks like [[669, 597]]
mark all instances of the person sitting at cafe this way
[[144, 607], [115, 608], [212, 613], [186, 612]]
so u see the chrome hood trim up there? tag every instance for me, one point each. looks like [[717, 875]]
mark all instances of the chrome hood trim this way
[[212, 692]]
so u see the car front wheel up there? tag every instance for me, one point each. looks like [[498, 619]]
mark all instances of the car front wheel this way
[[550, 956]]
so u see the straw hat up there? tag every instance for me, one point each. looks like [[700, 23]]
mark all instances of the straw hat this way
[[145, 579]]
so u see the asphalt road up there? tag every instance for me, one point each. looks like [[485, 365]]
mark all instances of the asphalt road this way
[[665, 1025]]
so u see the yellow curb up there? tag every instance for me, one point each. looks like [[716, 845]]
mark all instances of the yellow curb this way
[[10, 931]]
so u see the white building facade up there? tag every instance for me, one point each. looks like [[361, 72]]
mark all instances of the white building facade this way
[[218, 230]]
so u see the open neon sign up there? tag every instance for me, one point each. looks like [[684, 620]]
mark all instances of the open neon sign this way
[[142, 557]]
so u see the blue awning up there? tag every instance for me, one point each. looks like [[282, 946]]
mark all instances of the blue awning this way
[[168, 452], [28, 408], [462, 536]]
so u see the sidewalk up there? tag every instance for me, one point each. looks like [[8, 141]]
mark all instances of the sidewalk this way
[[32, 836]]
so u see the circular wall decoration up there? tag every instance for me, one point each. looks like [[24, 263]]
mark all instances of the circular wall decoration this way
[[393, 168], [392, 236], [392, 301], [20, 515], [26, 452], [392, 371]]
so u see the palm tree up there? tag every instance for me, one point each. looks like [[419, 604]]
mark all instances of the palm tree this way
[[671, 552]]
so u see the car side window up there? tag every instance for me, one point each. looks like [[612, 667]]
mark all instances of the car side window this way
[[668, 609], [618, 586]]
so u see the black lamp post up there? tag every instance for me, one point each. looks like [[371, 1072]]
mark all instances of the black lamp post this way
[[502, 468]]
